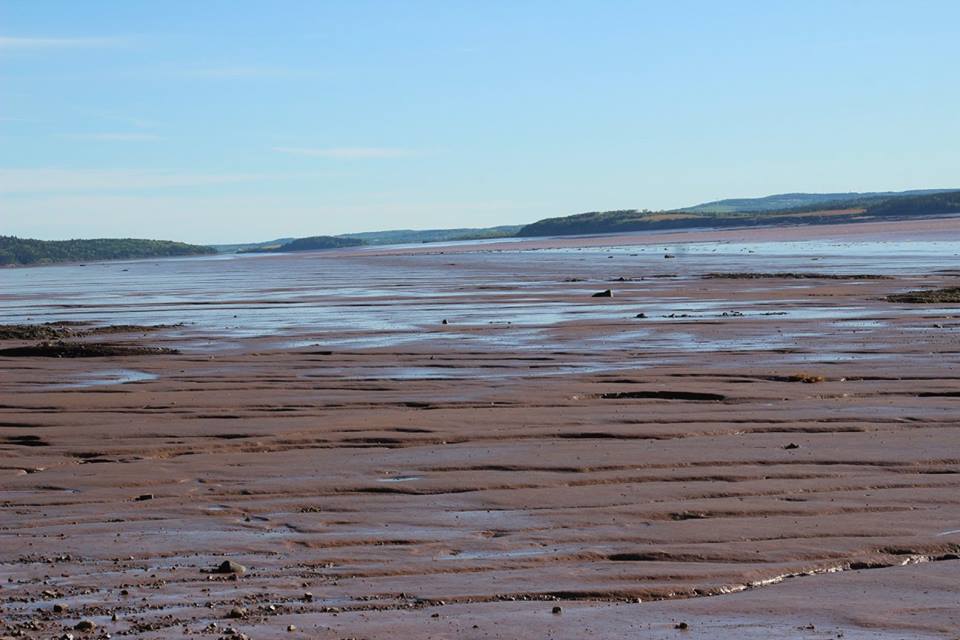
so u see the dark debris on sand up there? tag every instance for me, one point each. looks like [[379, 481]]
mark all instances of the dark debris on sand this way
[[62, 349], [64, 330], [928, 296], [38, 331]]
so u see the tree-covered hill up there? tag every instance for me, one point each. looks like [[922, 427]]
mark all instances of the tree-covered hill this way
[[787, 201], [24, 251], [313, 243], [850, 208], [919, 206]]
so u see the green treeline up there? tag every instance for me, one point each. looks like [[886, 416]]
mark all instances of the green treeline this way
[[23, 251], [313, 243], [847, 209]]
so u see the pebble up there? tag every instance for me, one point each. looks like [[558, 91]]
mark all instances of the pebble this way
[[85, 625], [237, 612], [557, 610]]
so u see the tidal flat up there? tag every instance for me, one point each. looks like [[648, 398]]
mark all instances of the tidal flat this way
[[756, 437]]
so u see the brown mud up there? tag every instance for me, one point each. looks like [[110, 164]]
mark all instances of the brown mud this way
[[790, 470]]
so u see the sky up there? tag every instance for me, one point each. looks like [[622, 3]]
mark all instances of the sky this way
[[245, 120]]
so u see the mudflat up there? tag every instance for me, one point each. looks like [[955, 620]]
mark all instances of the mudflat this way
[[746, 439]]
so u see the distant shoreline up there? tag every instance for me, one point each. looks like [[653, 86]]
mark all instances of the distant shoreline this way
[[936, 224]]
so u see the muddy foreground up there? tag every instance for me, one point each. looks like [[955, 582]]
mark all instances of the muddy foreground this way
[[694, 457]]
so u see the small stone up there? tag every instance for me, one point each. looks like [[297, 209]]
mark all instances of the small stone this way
[[229, 566], [144, 496], [606, 293], [792, 445], [60, 608], [85, 625], [308, 597], [237, 613], [669, 255], [291, 627], [444, 321], [683, 626], [557, 611], [640, 315]]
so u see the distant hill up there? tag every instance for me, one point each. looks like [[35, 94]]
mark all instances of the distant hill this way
[[24, 251], [408, 236], [784, 201], [395, 236], [918, 206], [802, 209], [780, 209], [313, 243], [242, 247]]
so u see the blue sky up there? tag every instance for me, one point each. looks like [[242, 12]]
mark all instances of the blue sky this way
[[224, 121]]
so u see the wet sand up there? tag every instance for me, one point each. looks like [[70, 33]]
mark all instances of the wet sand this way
[[771, 457]]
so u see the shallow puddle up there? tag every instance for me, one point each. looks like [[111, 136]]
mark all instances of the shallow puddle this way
[[106, 378]]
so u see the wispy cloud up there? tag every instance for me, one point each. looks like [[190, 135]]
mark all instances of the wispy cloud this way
[[44, 182], [346, 152], [41, 181], [114, 137], [21, 43]]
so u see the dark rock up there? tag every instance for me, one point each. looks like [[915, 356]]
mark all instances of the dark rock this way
[[683, 626], [603, 294], [144, 496], [237, 613], [85, 625], [792, 445], [557, 610], [229, 566]]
